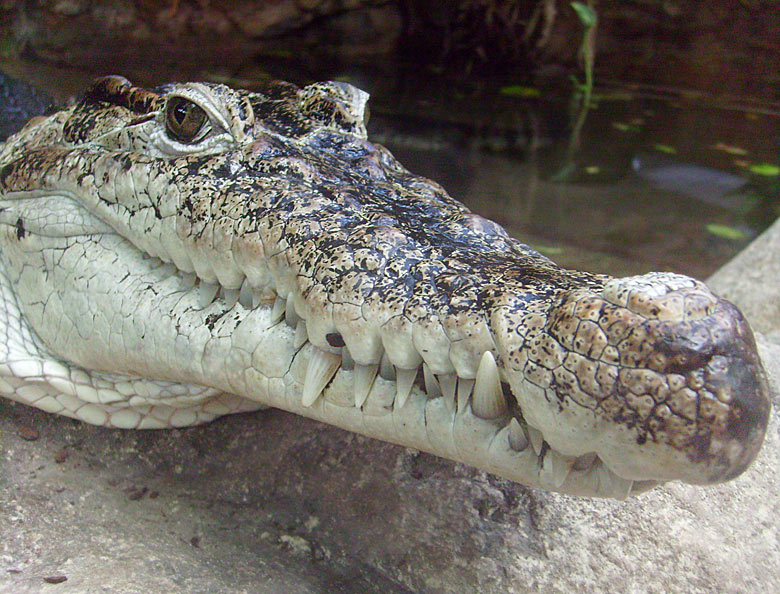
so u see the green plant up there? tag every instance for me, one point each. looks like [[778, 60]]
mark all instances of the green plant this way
[[586, 12]]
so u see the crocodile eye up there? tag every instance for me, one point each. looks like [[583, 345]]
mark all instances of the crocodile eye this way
[[184, 120]]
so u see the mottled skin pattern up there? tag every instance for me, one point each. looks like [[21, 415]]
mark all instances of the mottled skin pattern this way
[[595, 385]]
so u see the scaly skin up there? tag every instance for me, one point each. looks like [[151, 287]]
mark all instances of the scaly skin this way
[[154, 240]]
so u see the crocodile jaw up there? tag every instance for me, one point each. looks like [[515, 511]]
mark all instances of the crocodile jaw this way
[[153, 326]]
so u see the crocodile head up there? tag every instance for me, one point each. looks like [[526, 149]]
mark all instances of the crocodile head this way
[[174, 254]]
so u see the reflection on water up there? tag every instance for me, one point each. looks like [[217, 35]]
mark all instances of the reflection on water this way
[[654, 176], [652, 181]]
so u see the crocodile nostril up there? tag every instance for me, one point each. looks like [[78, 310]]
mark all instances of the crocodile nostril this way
[[335, 339]]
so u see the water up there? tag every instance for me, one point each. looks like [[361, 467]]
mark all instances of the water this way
[[656, 169], [654, 177]]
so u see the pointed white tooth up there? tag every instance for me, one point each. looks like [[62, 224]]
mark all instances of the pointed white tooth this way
[[300, 304], [431, 385], [364, 379], [554, 469], [488, 401], [231, 297], [257, 298], [301, 335], [347, 362], [206, 294], [612, 485], [403, 384], [536, 438], [465, 388], [386, 368], [518, 440], [278, 311], [322, 367], [290, 316], [621, 487], [187, 281], [245, 295], [448, 383]]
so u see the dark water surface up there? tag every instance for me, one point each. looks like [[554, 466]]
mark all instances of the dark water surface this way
[[661, 181], [656, 180]]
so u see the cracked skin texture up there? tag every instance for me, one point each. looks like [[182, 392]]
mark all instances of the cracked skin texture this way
[[282, 190]]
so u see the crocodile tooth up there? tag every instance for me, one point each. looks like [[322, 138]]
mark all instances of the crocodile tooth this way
[[207, 292], [488, 401], [431, 385], [231, 297], [554, 469], [187, 281], [465, 388], [448, 383], [257, 298], [290, 315], [404, 382], [280, 304], [621, 488], [612, 485], [518, 440], [364, 379], [386, 368], [301, 335], [245, 296], [299, 303], [347, 362], [322, 367], [536, 438]]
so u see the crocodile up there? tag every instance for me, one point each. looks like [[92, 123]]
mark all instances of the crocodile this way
[[174, 254]]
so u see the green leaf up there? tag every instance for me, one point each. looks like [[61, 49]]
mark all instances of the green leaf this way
[[586, 14], [665, 148], [623, 127], [730, 149], [520, 91], [726, 232], [766, 169]]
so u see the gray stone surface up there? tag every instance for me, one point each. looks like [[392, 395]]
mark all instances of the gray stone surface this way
[[270, 502]]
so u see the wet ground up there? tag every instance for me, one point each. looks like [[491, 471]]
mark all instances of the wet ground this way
[[663, 179]]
